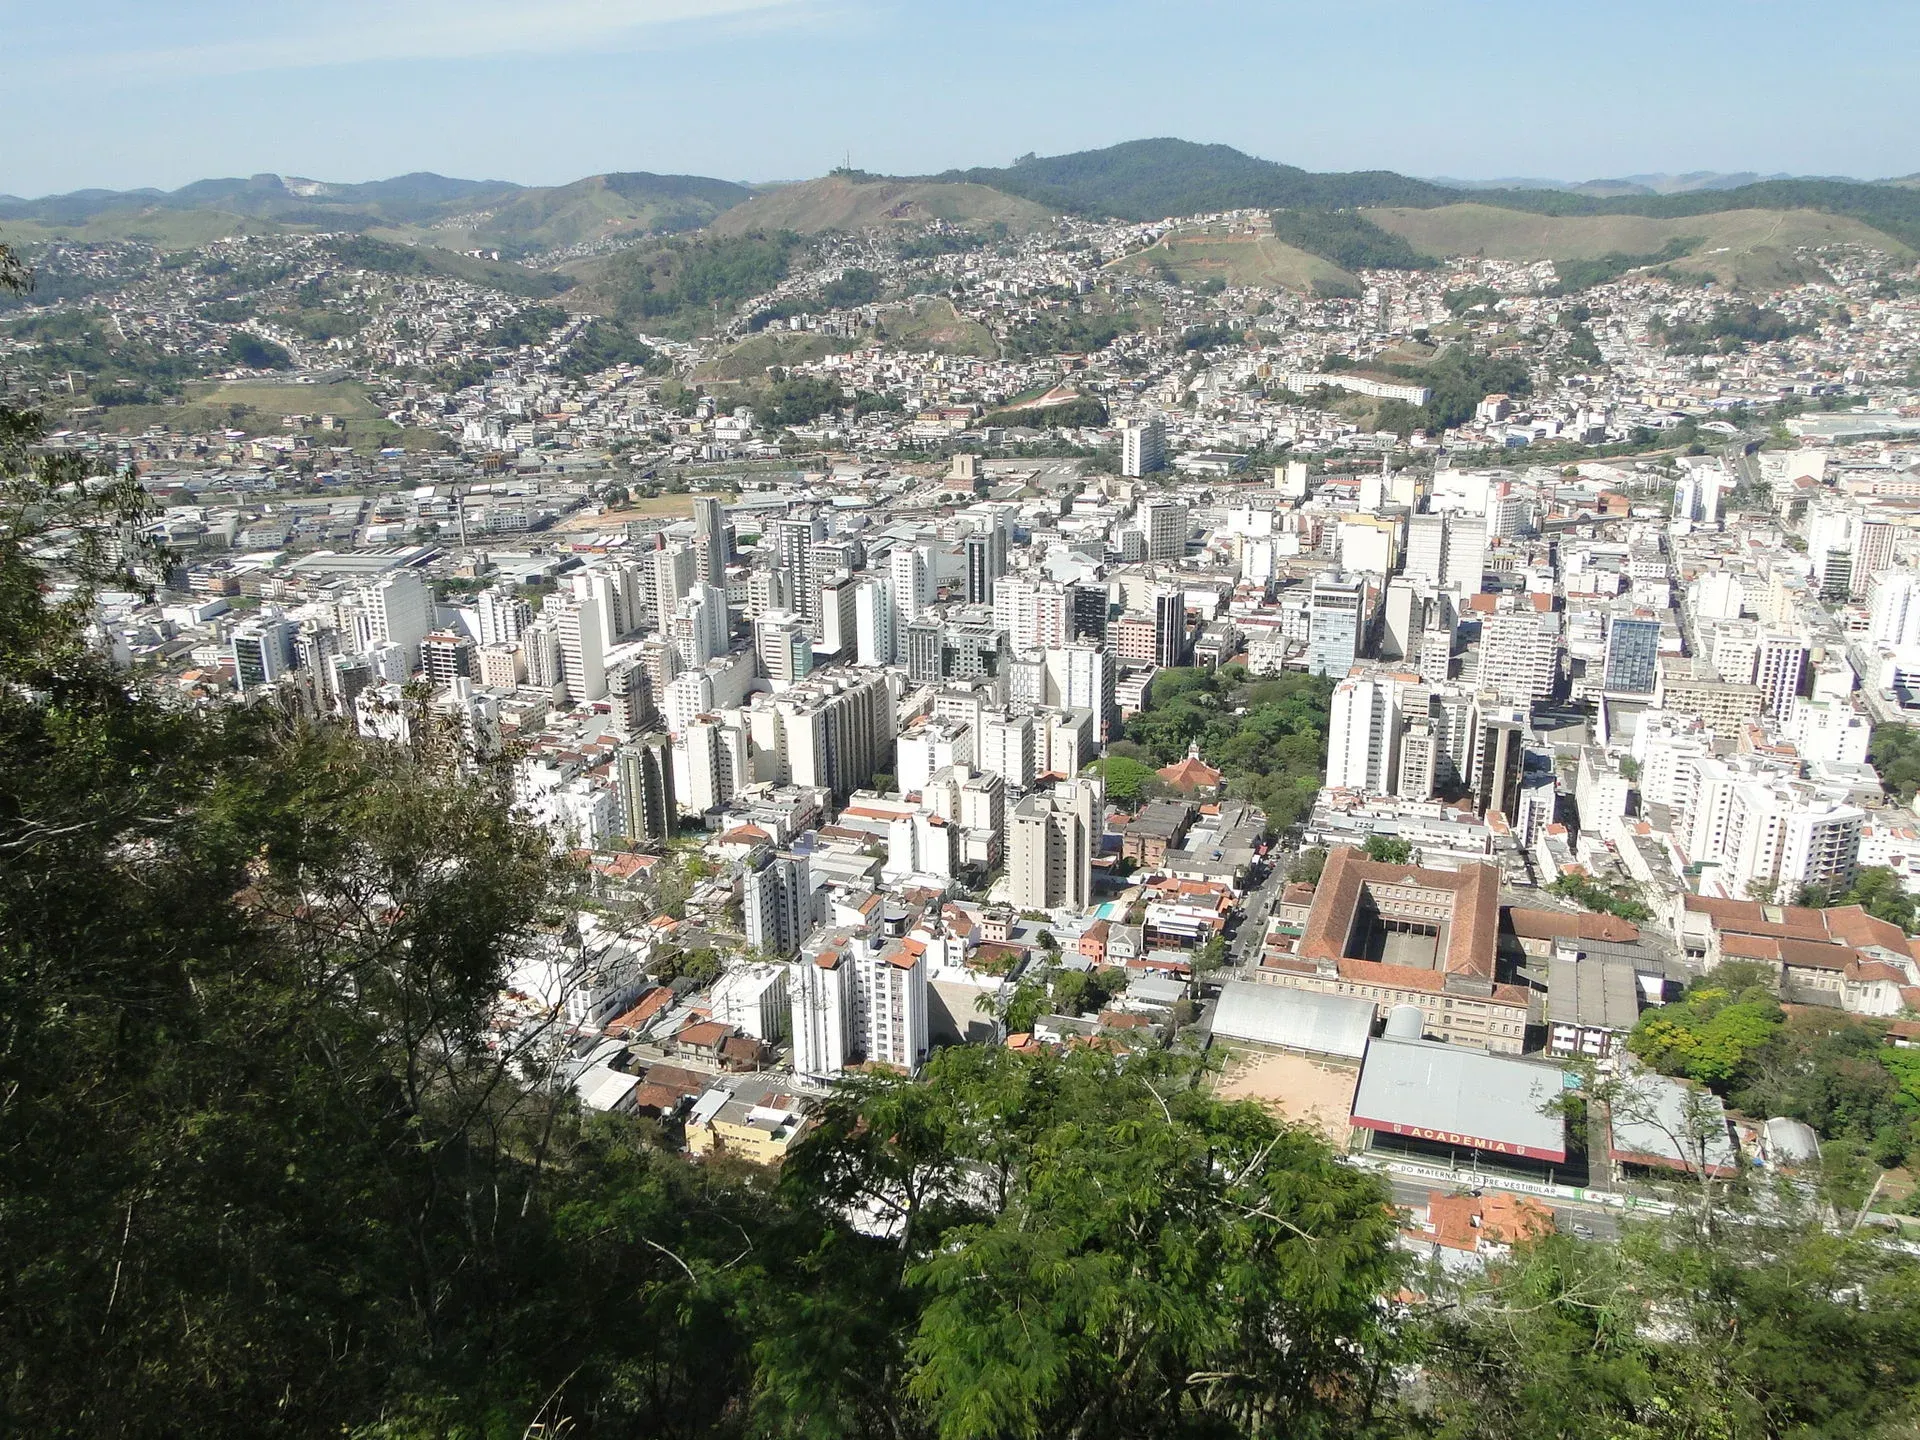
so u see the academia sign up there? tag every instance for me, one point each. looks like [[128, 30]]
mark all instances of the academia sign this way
[[1455, 1137]]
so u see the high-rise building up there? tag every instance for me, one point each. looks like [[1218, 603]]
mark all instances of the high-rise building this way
[[503, 616], [1007, 747], [1781, 664], [768, 590], [262, 651], [445, 658], [776, 895], [1466, 553], [1036, 614], [674, 573], [1083, 677], [892, 999], [576, 626], [643, 772], [540, 643], [1426, 549], [1050, 844], [791, 546], [910, 577], [924, 652], [1089, 610], [1165, 524], [1498, 760], [1143, 448], [785, 646], [1419, 760], [839, 618], [500, 666], [1170, 628], [1335, 624], [712, 541], [873, 622], [399, 611], [1519, 654], [1364, 735], [1633, 655], [979, 561], [821, 984]]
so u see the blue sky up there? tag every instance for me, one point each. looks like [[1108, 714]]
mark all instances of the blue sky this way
[[124, 93]]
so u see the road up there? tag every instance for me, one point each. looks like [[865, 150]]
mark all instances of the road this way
[[1255, 912]]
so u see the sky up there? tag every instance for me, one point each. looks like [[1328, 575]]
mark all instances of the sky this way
[[128, 93]]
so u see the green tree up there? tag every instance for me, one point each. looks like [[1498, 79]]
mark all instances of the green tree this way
[[1307, 866], [1127, 780], [1389, 849]]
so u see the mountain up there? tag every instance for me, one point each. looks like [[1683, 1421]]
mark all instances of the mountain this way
[[421, 208], [847, 201], [1155, 179]]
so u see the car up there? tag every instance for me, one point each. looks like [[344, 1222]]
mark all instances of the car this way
[[1582, 1230]]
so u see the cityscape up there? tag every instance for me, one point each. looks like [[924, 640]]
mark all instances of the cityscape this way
[[753, 763]]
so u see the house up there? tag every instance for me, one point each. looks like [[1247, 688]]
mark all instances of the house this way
[[1842, 957], [1191, 775]]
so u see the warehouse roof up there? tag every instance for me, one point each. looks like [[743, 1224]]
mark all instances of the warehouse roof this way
[[1433, 1091], [1293, 1019]]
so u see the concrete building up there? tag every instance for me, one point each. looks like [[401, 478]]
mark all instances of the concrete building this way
[[1143, 448], [1336, 624], [1050, 845]]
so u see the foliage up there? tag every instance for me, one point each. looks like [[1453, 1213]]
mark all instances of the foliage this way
[[853, 287], [1065, 332], [1574, 276], [1730, 328], [1878, 890], [1388, 850], [939, 242], [363, 252], [1127, 780], [679, 287], [1348, 239], [1713, 1035], [1308, 866], [1469, 297], [1607, 899], [798, 400], [1894, 752], [533, 326], [1273, 755], [254, 353], [603, 344]]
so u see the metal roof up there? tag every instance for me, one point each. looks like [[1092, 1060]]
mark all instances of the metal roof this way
[[1293, 1019], [1433, 1091], [1595, 990], [1661, 1121]]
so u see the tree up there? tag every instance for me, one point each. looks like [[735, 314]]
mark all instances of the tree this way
[[1389, 850], [1127, 780], [1307, 866]]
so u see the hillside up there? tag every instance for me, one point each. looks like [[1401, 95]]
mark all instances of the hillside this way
[[1239, 260], [414, 209], [531, 221], [1154, 179], [1744, 247], [847, 202]]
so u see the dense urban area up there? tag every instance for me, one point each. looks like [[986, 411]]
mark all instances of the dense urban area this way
[[907, 808]]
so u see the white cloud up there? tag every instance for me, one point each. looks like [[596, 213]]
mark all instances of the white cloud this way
[[361, 31]]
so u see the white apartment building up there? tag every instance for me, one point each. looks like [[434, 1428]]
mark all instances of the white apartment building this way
[[1050, 843], [1363, 743]]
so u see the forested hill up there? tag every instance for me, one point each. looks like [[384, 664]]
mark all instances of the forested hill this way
[[1154, 179]]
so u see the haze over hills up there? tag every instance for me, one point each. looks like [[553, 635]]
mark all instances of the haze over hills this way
[[1143, 180]]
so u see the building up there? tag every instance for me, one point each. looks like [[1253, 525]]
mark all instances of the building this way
[[1165, 523], [1498, 759], [712, 542], [1143, 448], [1050, 843], [1169, 629], [398, 610], [1520, 655], [576, 631], [445, 658], [821, 987], [1364, 740], [1401, 935], [776, 901], [1445, 1098], [784, 642], [643, 772], [1633, 655], [262, 651], [1336, 623]]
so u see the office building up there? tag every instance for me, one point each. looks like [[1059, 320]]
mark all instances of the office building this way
[[712, 540], [398, 610], [784, 642], [262, 651], [1170, 629], [503, 616], [1165, 523], [445, 658], [1335, 624], [1633, 655]]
